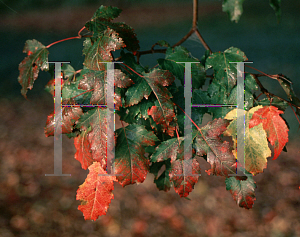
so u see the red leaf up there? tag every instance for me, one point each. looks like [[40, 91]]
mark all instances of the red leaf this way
[[184, 183], [93, 138], [83, 150], [95, 193], [274, 125], [69, 116]]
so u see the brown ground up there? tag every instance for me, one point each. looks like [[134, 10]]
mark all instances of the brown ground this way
[[35, 205]]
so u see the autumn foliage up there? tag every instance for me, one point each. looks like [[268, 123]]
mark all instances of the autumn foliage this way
[[153, 106]]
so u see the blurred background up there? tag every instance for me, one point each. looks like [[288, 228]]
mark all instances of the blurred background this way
[[34, 205]]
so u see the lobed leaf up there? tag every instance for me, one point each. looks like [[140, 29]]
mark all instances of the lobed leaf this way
[[95, 194], [256, 144], [130, 162], [274, 125], [29, 68], [242, 191]]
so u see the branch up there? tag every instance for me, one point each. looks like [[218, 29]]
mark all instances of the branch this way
[[184, 38], [56, 42], [268, 94]]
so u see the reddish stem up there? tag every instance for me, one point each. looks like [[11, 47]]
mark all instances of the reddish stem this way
[[80, 31], [56, 42], [133, 70]]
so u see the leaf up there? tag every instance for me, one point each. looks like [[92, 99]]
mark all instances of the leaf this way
[[29, 68], [275, 4], [167, 149], [163, 181], [50, 86], [68, 70], [234, 9], [130, 161], [288, 88], [70, 91], [256, 144], [101, 20], [69, 116], [225, 72], [83, 149], [219, 153], [280, 104], [93, 137], [274, 125], [95, 194], [184, 184], [155, 81], [100, 50], [242, 191], [181, 54]]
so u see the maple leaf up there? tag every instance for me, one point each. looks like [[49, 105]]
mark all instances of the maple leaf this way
[[101, 20], [184, 184], [256, 144], [274, 125], [155, 81], [163, 181], [29, 68], [100, 50], [95, 193], [83, 150], [225, 72], [93, 126], [181, 54], [242, 191], [218, 153], [167, 149], [69, 116], [130, 160]]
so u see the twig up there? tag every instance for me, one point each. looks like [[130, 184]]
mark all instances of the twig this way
[[56, 42], [275, 77], [268, 94], [184, 38]]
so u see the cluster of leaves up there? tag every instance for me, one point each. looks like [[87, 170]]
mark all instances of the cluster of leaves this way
[[151, 103]]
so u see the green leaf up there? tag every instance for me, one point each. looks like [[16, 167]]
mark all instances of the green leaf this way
[[71, 92], [167, 149], [163, 181], [242, 191], [280, 104], [275, 4], [234, 9], [68, 70], [100, 51], [101, 21], [250, 82], [130, 160], [163, 43], [181, 54], [225, 72], [155, 81], [29, 68], [218, 96]]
